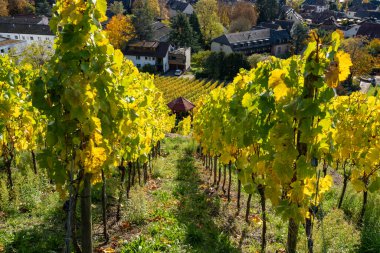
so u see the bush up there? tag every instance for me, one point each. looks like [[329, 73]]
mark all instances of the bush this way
[[149, 69]]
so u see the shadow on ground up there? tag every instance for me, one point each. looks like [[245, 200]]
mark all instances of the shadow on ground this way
[[196, 211]]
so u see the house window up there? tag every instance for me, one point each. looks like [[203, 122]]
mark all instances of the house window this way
[[39, 38], [279, 50], [138, 65], [2, 51], [146, 58], [8, 36], [23, 37], [31, 38], [16, 37], [137, 57]]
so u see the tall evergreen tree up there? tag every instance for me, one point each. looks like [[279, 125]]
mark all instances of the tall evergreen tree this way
[[143, 18], [43, 7], [182, 33], [268, 10]]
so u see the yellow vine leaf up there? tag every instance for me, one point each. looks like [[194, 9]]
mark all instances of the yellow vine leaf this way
[[277, 83]]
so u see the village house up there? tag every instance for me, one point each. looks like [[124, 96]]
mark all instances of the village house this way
[[178, 6], [28, 28], [153, 53], [6, 45], [259, 40], [180, 59]]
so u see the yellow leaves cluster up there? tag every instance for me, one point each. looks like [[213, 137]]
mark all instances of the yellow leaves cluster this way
[[120, 30], [339, 69]]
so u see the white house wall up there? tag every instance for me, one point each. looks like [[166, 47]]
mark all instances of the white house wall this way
[[29, 38], [141, 61], [16, 46]]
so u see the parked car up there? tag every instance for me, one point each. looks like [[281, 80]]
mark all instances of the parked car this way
[[178, 72]]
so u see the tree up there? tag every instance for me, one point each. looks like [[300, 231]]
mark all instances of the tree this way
[[208, 19], [254, 59], [151, 5], [268, 10], [196, 28], [43, 7], [182, 33], [299, 34], [143, 18], [4, 8], [224, 13], [240, 24], [362, 60], [120, 30], [243, 16], [35, 54], [20, 7], [117, 7]]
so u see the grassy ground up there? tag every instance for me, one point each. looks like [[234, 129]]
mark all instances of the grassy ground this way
[[178, 210]]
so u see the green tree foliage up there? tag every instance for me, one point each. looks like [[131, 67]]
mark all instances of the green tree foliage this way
[[35, 54], [218, 65], [143, 18], [42, 7], [117, 7], [254, 59], [207, 14], [268, 10], [299, 34], [182, 33], [196, 28]]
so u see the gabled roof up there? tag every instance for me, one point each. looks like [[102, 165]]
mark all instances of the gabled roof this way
[[29, 20], [241, 37], [178, 5], [318, 18], [315, 2], [25, 29], [285, 24], [270, 25], [278, 37], [363, 7], [371, 30], [148, 48], [368, 14], [10, 42], [160, 31]]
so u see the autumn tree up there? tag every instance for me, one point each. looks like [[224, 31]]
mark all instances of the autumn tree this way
[[20, 7], [164, 12], [117, 7], [243, 17], [4, 8], [363, 61], [224, 13], [120, 30], [208, 19]]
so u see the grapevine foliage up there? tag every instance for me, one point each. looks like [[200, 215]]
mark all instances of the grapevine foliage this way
[[101, 110], [272, 122]]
